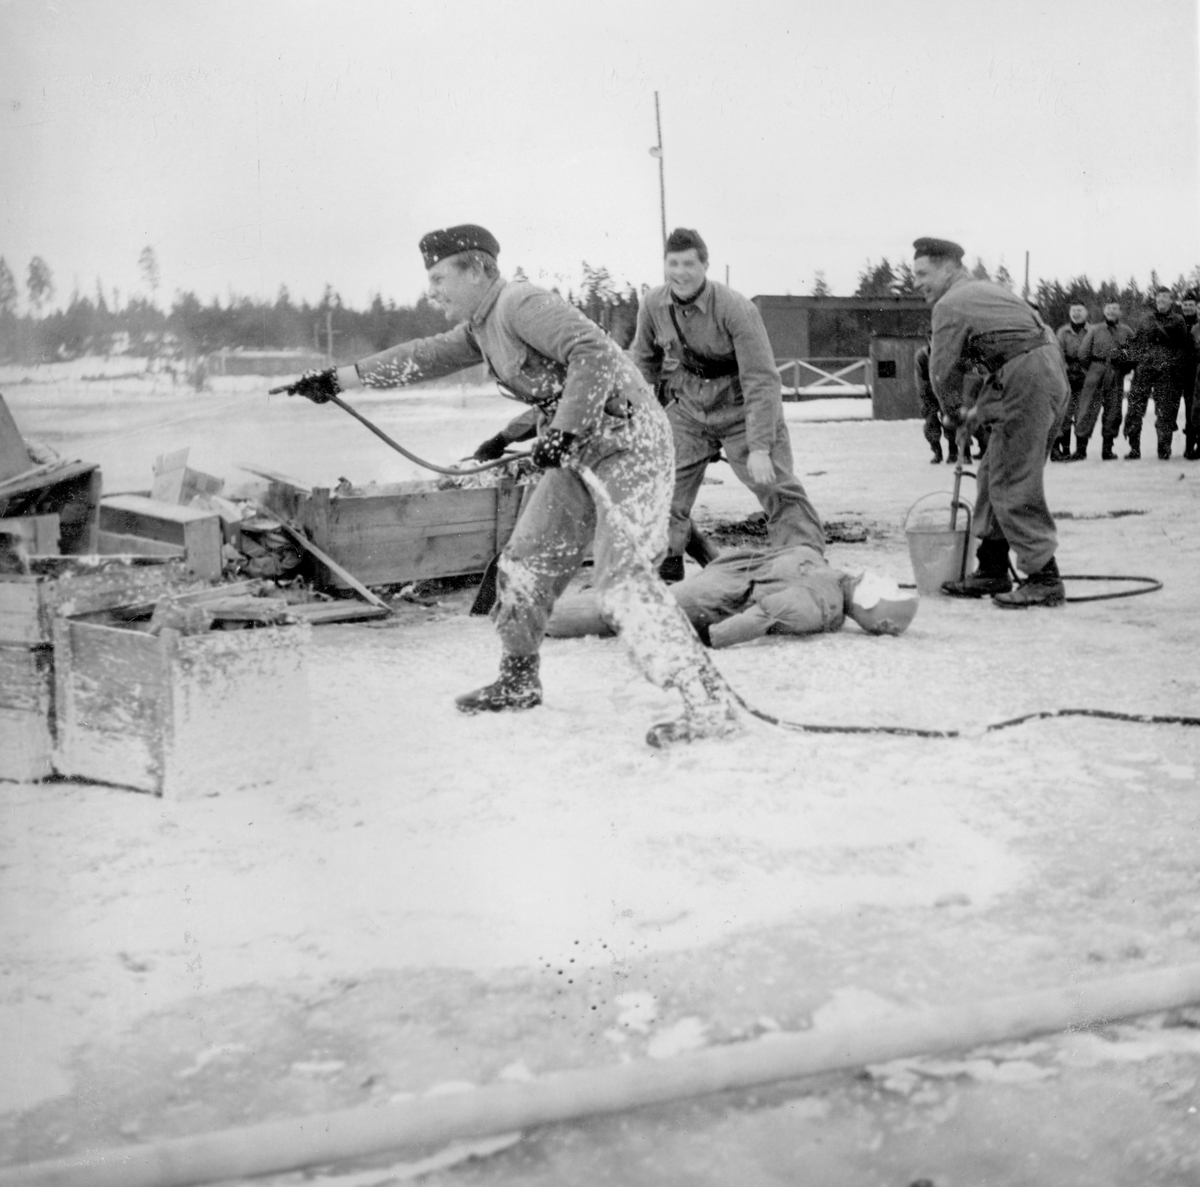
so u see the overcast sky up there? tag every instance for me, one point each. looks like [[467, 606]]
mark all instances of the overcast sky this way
[[261, 142]]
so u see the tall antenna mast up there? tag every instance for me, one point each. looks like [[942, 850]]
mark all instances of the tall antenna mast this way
[[657, 151]]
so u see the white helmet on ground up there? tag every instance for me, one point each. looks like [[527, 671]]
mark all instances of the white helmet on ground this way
[[879, 605]]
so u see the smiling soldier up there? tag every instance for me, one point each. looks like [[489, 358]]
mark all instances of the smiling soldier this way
[[706, 349], [596, 418], [981, 326]]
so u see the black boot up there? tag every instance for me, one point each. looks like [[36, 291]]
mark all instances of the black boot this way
[[1043, 588], [936, 460], [517, 688], [1135, 448], [1164, 447], [952, 456], [1062, 448], [1191, 449], [990, 577], [1106, 452], [1080, 454]]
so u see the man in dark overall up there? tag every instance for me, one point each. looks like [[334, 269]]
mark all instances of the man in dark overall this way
[[1161, 350], [604, 446], [981, 325], [1105, 355], [704, 347], [931, 412], [1070, 338]]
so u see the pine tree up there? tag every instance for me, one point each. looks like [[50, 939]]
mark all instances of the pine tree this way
[[148, 265], [820, 287], [8, 290], [40, 282]]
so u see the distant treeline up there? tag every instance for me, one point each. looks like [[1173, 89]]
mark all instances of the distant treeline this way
[[190, 329], [1054, 299]]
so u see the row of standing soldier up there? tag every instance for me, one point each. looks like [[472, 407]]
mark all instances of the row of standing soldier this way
[[1161, 354], [1159, 357]]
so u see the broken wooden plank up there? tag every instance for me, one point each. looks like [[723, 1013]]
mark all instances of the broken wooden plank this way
[[304, 542], [318, 613], [274, 476]]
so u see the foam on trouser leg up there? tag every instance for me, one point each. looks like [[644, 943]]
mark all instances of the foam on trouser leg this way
[[658, 636]]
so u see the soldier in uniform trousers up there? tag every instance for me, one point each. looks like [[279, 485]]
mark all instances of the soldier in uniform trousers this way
[[705, 349], [1070, 338], [1105, 355], [1161, 350], [981, 325], [596, 415]]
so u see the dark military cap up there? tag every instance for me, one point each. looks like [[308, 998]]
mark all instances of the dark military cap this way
[[1191, 295], [937, 249], [1164, 288], [683, 239], [437, 245]]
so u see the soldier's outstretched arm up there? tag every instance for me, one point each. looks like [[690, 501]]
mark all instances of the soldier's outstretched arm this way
[[413, 361]]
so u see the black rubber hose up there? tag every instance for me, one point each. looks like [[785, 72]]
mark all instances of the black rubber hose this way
[[1151, 585], [412, 457], [912, 732]]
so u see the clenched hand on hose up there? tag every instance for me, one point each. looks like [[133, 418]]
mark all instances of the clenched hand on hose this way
[[552, 449], [318, 386]]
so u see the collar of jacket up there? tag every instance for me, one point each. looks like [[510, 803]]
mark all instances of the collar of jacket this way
[[489, 300], [702, 300]]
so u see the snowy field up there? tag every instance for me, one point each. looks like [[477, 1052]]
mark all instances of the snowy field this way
[[425, 897]]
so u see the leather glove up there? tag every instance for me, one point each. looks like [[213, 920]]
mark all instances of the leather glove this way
[[551, 449], [491, 449], [317, 386]]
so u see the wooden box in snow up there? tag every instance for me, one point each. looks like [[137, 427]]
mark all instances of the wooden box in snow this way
[[389, 537], [197, 532], [29, 604], [179, 715]]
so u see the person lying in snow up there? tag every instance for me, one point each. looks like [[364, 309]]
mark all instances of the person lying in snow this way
[[747, 593]]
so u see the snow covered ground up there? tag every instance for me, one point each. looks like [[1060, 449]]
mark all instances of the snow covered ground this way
[[397, 906]]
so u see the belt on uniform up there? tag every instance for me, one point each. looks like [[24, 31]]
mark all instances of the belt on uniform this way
[[995, 354]]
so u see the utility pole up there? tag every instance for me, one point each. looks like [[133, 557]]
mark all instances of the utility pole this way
[[657, 151]]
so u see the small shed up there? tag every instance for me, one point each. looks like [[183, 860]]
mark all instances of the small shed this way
[[894, 391]]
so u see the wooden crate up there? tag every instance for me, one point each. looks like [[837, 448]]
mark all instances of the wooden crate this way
[[197, 532], [70, 490], [28, 608], [179, 716], [26, 712], [389, 538]]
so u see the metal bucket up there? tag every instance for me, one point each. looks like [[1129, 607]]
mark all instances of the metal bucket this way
[[938, 552], [937, 556]]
